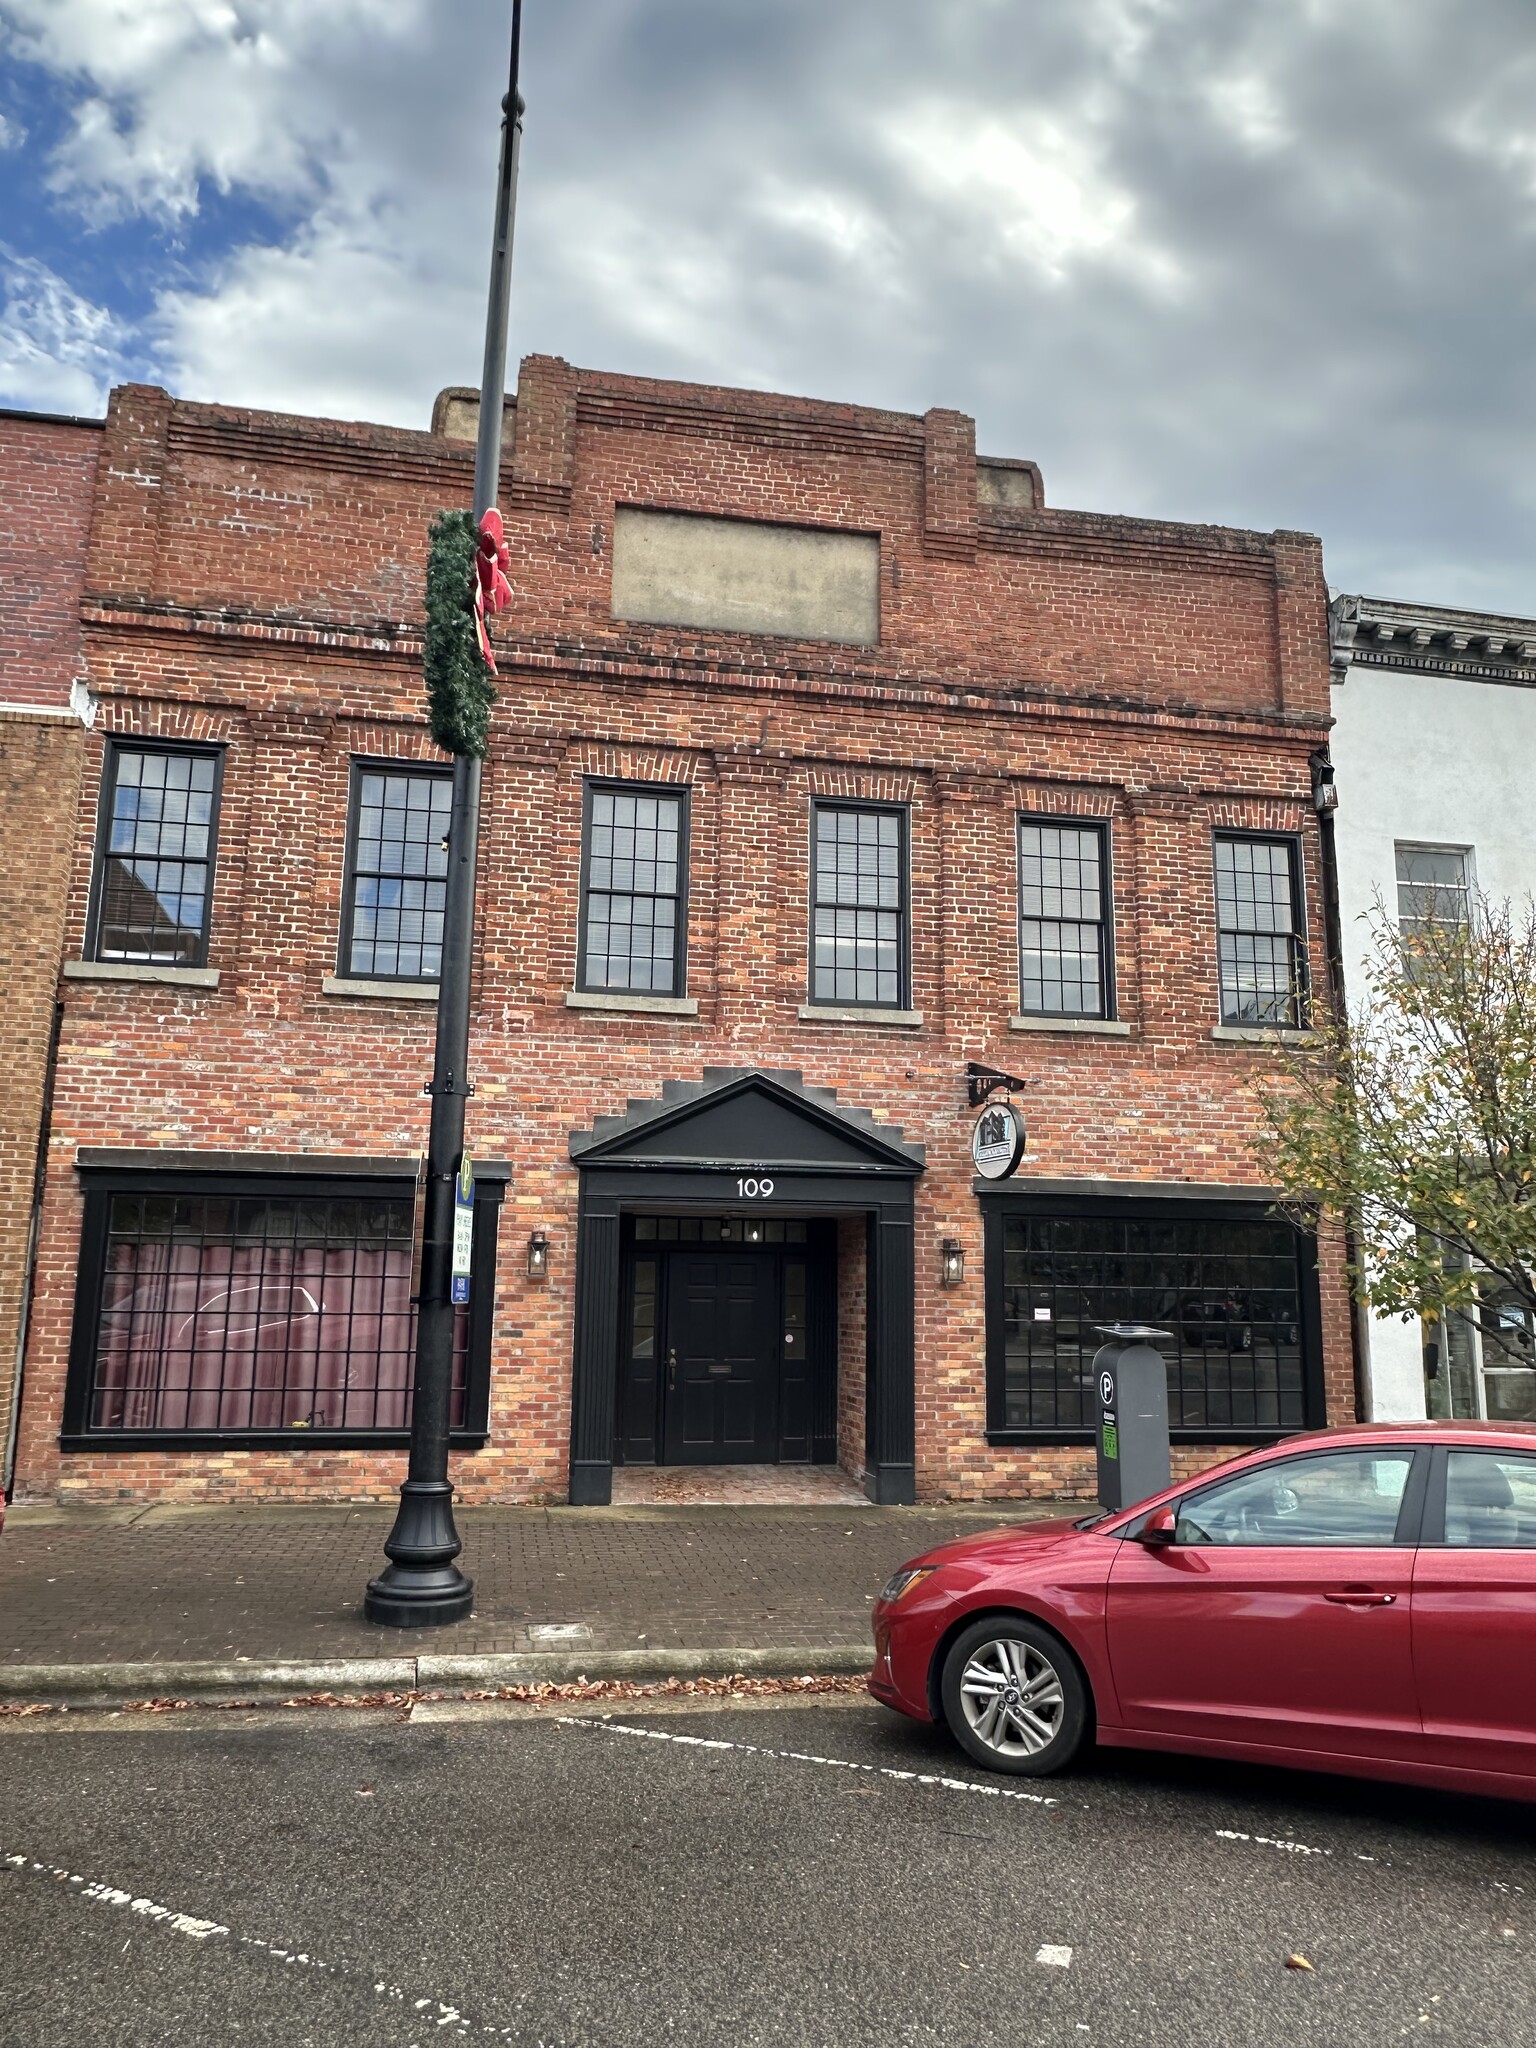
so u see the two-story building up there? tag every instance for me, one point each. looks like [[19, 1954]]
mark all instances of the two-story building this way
[[1435, 733], [828, 760]]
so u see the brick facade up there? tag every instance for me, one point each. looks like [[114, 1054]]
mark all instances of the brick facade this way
[[254, 581], [47, 475]]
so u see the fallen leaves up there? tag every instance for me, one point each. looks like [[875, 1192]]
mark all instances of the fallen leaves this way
[[736, 1686], [1296, 1961]]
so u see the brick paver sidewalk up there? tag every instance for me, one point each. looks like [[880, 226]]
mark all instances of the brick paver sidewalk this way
[[153, 1584]]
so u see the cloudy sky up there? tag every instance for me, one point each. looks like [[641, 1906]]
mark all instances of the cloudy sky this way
[[1267, 264]]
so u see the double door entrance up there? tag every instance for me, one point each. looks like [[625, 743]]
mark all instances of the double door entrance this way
[[727, 1340]]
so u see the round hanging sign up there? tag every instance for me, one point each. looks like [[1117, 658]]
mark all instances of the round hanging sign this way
[[997, 1141]]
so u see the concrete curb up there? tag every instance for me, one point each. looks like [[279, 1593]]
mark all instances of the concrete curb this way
[[106, 1684]]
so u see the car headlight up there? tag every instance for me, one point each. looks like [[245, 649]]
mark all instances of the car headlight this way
[[899, 1584]]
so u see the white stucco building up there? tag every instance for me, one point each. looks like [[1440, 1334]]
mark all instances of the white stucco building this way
[[1433, 753]]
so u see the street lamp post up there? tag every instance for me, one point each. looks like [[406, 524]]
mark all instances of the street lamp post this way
[[422, 1585]]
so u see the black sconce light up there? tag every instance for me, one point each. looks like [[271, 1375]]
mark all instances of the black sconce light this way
[[1325, 796], [951, 1262], [538, 1256]]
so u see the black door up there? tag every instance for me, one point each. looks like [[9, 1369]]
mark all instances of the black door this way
[[720, 1384]]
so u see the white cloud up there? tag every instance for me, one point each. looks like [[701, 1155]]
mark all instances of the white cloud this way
[[58, 352], [12, 134], [1269, 265]]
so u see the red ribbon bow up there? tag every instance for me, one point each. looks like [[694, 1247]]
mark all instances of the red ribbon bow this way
[[493, 593]]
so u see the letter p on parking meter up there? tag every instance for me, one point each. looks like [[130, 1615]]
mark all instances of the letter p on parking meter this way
[[1131, 1386]]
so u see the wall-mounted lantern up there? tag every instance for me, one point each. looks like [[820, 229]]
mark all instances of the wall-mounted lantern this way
[[754, 1230], [538, 1256], [951, 1262], [1325, 795]]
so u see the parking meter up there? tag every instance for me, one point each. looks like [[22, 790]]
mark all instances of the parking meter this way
[[1131, 1382]]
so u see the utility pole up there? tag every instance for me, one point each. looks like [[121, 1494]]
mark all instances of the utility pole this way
[[422, 1586]]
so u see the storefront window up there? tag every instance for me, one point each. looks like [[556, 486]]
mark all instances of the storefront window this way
[[243, 1311], [1228, 1291], [1481, 1363]]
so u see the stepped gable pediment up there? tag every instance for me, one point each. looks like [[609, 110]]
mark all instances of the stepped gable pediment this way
[[754, 1117]]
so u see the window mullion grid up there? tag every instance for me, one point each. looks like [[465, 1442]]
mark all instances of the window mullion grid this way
[[859, 938], [627, 832]]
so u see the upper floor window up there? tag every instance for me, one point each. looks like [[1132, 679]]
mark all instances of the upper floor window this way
[[1433, 886], [858, 906], [1259, 930], [397, 869], [155, 850], [633, 882], [1063, 920]]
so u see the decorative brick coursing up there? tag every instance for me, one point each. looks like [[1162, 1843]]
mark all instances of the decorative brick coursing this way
[[262, 588]]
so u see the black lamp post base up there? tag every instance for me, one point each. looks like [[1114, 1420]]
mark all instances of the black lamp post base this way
[[407, 1599], [421, 1586]]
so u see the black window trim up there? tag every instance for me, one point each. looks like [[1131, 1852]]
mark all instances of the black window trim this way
[[902, 812], [1297, 845], [996, 1204], [101, 1183], [1110, 1010], [358, 766], [118, 744], [682, 793]]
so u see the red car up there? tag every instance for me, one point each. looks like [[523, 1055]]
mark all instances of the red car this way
[[1361, 1600]]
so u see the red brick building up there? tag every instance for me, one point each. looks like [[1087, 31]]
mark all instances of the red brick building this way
[[47, 476], [828, 759]]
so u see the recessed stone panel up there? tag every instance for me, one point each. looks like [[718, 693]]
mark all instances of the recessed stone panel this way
[[746, 576]]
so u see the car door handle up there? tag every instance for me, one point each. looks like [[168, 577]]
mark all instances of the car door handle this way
[[1361, 1599]]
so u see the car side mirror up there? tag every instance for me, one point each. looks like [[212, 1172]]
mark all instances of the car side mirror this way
[[1159, 1529]]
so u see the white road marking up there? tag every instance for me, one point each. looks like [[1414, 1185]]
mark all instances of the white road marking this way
[[1272, 1842], [798, 1756], [434, 2010], [1054, 1955]]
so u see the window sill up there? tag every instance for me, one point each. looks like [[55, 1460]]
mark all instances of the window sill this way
[[380, 991], [163, 977], [636, 1005], [1085, 1027], [1262, 1034], [834, 1013], [258, 1439], [1040, 1439]]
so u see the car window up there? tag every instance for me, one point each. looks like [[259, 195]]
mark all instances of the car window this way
[[1490, 1500], [1349, 1499]]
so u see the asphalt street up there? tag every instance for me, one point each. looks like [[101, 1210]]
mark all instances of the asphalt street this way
[[807, 1874]]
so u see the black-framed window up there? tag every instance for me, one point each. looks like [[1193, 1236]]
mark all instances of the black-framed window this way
[[859, 917], [1260, 929], [1234, 1287], [634, 888], [155, 848], [261, 1310], [397, 872], [1064, 919]]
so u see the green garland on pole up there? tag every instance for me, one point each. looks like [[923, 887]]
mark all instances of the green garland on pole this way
[[460, 692]]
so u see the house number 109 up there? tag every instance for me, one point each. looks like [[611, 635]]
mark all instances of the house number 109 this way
[[754, 1189]]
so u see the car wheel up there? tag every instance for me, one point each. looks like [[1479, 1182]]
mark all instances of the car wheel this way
[[1013, 1697]]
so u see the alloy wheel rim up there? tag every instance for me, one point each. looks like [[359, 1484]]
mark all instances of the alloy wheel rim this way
[[1012, 1697]]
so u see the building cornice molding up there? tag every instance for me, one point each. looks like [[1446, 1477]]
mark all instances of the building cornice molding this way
[[1436, 640]]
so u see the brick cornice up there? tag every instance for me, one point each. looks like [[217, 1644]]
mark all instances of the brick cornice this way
[[394, 645]]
